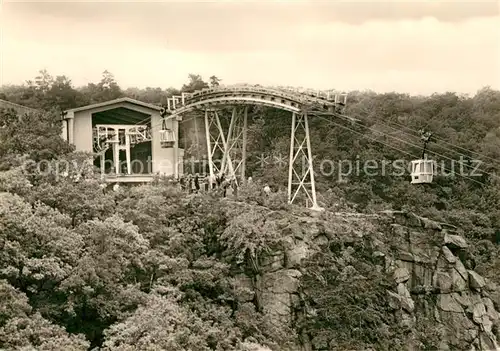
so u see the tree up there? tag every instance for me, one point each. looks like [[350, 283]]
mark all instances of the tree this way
[[43, 82], [37, 135], [151, 95], [195, 83], [63, 95], [22, 328], [214, 81], [45, 93], [106, 89], [147, 327]]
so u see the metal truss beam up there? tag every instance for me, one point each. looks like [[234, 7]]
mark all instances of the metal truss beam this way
[[300, 167], [235, 153], [228, 148]]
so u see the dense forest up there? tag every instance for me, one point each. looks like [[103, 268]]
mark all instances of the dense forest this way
[[150, 267]]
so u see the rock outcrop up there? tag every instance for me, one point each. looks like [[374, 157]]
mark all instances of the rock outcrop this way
[[439, 283], [426, 260]]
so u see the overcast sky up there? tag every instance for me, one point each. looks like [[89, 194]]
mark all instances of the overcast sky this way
[[417, 47]]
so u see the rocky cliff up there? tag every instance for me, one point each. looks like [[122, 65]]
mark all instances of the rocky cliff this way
[[431, 273]]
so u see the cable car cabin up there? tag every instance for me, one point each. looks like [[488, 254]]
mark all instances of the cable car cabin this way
[[422, 171], [167, 138]]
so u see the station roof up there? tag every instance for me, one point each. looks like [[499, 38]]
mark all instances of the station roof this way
[[120, 115], [116, 101]]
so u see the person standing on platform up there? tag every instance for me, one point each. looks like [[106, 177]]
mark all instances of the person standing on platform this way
[[224, 185], [190, 183], [267, 190], [212, 181], [196, 183], [182, 181], [234, 184]]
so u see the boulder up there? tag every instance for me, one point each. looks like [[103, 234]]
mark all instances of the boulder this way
[[460, 331], [458, 281], [394, 300], [408, 320], [378, 244], [429, 224], [443, 282], [475, 280], [406, 256], [321, 240], [310, 230], [488, 341], [446, 302], [399, 230], [283, 281], [448, 255], [276, 291], [480, 316], [422, 249], [296, 254], [406, 301], [477, 310], [455, 241], [490, 309], [422, 275], [273, 262], [459, 266], [464, 298], [401, 275], [412, 220]]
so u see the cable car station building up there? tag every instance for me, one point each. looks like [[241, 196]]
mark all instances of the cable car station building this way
[[129, 138]]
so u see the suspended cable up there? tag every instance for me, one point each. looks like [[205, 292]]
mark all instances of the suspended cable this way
[[413, 130], [398, 139], [496, 166], [417, 146], [390, 146], [446, 142]]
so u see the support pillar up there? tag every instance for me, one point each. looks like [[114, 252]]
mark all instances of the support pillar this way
[[116, 158], [71, 130], [64, 130], [176, 155], [231, 146], [127, 153], [229, 135], [227, 164], [301, 174], [236, 144], [197, 137], [244, 147], [208, 138], [103, 164]]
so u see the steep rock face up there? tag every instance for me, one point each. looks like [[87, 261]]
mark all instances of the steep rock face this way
[[440, 283], [428, 262]]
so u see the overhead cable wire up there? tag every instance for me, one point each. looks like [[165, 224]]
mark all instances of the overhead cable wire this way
[[398, 139], [417, 146], [377, 131], [445, 142], [453, 145], [440, 146], [390, 146]]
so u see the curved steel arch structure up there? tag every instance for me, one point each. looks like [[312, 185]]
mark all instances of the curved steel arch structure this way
[[282, 98], [212, 102], [233, 142]]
